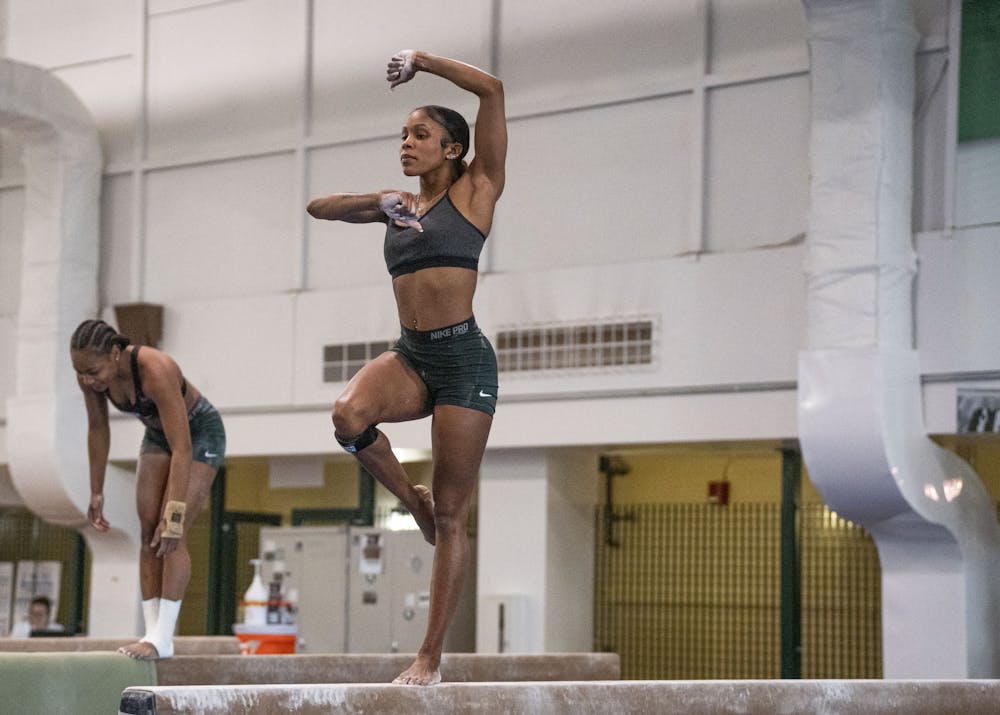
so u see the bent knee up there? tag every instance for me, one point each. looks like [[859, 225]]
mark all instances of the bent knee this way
[[349, 419]]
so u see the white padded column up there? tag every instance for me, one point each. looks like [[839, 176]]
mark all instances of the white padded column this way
[[46, 420], [860, 400]]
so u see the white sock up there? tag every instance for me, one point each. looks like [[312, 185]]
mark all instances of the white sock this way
[[150, 614], [163, 637]]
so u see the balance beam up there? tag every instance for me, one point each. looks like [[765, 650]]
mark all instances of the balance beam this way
[[704, 697], [79, 683], [381, 668], [183, 645]]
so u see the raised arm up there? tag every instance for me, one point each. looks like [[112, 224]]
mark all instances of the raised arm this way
[[491, 122]]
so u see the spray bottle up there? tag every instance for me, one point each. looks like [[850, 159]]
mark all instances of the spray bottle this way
[[255, 599]]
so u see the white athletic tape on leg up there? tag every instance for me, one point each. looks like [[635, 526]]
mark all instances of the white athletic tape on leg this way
[[163, 640], [150, 615]]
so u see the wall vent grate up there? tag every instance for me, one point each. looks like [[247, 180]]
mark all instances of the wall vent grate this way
[[623, 342], [343, 361]]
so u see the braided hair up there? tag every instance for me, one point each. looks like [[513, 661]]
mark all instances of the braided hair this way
[[98, 336]]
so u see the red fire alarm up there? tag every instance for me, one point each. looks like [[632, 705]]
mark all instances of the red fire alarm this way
[[718, 493]]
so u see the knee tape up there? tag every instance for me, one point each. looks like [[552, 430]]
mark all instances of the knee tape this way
[[356, 444]]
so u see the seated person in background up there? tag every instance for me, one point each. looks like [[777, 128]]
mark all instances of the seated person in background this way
[[39, 615]]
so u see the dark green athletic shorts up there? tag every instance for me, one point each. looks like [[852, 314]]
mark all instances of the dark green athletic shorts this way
[[456, 363], [208, 436]]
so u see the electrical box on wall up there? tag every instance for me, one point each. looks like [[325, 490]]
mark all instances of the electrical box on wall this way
[[718, 493]]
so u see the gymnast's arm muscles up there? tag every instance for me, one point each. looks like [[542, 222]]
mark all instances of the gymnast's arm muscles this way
[[491, 122], [352, 208], [98, 437]]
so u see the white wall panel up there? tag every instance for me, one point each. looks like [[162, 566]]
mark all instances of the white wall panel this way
[[977, 183], [757, 174], [117, 241], [956, 301], [658, 419], [723, 319], [228, 75], [342, 254], [111, 91], [52, 33], [736, 319], [364, 314], [757, 35], [564, 52], [353, 41], [237, 352], [220, 230], [11, 239], [11, 168], [602, 185]]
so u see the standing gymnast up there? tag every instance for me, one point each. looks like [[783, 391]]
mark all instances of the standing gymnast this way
[[442, 365], [183, 448]]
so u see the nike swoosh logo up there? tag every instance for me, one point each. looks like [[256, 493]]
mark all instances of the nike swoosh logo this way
[[484, 394], [211, 454]]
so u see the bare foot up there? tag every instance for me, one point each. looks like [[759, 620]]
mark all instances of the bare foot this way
[[425, 519], [420, 673], [140, 650]]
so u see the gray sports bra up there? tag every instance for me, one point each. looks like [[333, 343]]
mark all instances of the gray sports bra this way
[[448, 239]]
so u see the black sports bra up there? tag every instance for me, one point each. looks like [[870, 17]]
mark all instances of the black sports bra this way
[[144, 408], [448, 239]]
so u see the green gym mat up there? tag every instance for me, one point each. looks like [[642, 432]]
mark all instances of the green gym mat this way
[[69, 683]]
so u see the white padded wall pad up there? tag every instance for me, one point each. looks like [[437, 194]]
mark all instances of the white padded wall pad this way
[[860, 401], [46, 419]]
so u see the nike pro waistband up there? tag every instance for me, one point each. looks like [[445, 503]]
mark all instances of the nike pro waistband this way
[[458, 330]]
